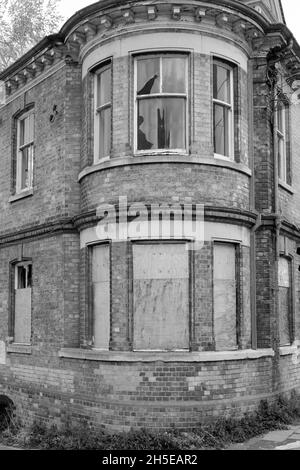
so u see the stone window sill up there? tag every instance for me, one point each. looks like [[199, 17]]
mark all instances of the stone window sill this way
[[168, 158], [19, 349], [289, 350], [112, 356], [286, 186], [18, 197]]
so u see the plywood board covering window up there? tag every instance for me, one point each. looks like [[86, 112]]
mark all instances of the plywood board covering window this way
[[23, 294], [285, 301], [225, 297], [161, 296], [101, 295]]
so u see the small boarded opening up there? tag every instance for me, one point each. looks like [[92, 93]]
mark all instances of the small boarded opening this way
[[6, 412]]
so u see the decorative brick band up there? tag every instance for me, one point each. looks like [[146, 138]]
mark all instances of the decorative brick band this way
[[50, 229]]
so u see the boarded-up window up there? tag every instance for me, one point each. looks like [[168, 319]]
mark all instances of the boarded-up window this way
[[23, 285], [101, 295], [161, 296], [285, 301], [225, 297]]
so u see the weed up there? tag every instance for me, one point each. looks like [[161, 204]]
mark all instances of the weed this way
[[216, 435]]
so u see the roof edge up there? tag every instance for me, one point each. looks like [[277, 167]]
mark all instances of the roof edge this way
[[60, 37]]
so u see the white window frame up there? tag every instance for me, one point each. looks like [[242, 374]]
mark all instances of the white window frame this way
[[281, 139], [229, 107], [20, 150], [97, 113], [161, 54]]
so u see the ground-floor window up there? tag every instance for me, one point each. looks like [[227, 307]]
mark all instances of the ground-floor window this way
[[161, 306], [225, 296], [285, 301], [22, 302], [101, 296]]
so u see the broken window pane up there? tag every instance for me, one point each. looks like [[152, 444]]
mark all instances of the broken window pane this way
[[222, 83], [221, 130], [105, 134], [161, 123], [148, 76]]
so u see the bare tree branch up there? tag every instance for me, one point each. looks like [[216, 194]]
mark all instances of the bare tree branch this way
[[23, 23]]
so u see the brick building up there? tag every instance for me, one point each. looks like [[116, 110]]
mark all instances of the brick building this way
[[157, 103]]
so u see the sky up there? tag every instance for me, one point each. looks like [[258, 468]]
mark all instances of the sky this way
[[291, 10]]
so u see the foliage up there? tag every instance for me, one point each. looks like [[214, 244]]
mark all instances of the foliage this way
[[23, 23], [216, 435]]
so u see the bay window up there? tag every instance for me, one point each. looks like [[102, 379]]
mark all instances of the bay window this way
[[161, 102], [223, 118]]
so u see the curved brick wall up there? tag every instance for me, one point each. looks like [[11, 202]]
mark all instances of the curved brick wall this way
[[164, 182]]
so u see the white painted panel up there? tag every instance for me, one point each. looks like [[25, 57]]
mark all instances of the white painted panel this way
[[284, 272], [161, 261], [161, 297], [23, 316], [101, 295], [220, 231], [2, 353], [225, 306]]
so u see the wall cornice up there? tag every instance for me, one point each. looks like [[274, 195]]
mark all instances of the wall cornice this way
[[105, 17]]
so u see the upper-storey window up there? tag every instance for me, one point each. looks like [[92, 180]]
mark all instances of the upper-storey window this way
[[25, 139], [103, 113], [282, 143], [161, 103], [223, 109]]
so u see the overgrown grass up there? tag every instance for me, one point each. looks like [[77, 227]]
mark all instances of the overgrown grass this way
[[216, 435]]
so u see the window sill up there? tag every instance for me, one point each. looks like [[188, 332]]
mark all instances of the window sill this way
[[170, 158], [289, 350], [286, 186], [19, 349], [18, 197], [223, 157], [112, 356]]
